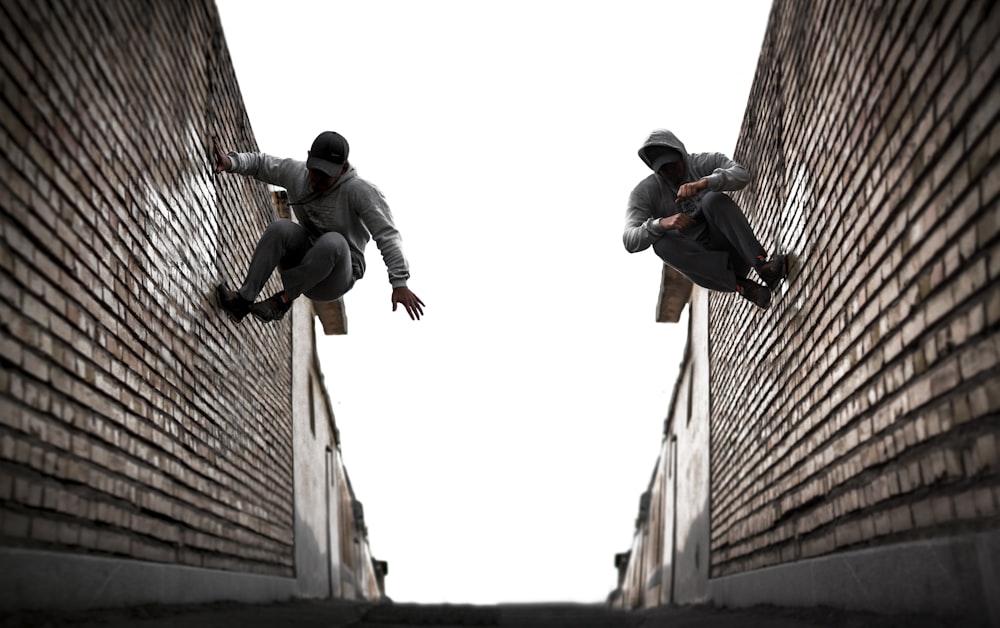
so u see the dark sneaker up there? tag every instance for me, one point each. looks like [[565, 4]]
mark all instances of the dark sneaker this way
[[273, 308], [773, 270], [754, 292], [230, 300]]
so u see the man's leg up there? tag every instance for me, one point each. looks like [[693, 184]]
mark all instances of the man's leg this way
[[728, 228], [690, 254], [692, 258], [282, 244], [324, 273]]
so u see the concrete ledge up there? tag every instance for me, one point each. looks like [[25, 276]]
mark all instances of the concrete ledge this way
[[956, 576], [31, 579], [675, 292], [333, 316]]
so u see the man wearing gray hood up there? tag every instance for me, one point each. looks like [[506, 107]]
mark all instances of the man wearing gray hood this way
[[682, 212], [323, 254]]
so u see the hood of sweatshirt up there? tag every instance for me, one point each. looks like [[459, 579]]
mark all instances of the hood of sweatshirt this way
[[661, 138]]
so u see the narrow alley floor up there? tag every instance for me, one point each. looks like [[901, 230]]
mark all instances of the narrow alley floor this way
[[341, 614]]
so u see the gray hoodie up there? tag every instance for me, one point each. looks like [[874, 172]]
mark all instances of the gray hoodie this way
[[654, 197], [353, 208]]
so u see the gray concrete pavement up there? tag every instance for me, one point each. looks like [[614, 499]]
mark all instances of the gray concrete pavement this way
[[341, 614]]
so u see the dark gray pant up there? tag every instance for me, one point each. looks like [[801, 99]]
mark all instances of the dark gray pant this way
[[321, 270], [717, 250]]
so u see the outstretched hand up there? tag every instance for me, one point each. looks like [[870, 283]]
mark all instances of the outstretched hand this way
[[414, 306], [222, 160]]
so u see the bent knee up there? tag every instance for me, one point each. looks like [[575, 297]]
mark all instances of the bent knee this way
[[333, 245], [284, 227], [670, 246], [715, 203], [331, 240]]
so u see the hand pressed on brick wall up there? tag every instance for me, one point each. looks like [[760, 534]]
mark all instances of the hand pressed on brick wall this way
[[222, 161]]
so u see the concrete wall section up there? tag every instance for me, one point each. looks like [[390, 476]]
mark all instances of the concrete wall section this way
[[636, 574], [958, 577], [669, 558], [652, 546], [37, 579], [668, 513], [322, 562], [355, 572], [691, 431], [312, 436]]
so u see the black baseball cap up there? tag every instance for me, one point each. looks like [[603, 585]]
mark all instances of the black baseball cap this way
[[328, 153]]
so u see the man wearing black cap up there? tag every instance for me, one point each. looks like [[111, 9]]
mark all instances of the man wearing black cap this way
[[681, 211], [321, 255]]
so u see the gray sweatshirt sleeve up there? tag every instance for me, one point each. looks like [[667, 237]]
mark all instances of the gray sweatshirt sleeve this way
[[280, 172], [374, 212], [723, 173], [641, 228]]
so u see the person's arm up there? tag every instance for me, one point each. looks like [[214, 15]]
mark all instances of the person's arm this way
[[724, 175], [374, 212], [641, 228], [284, 173]]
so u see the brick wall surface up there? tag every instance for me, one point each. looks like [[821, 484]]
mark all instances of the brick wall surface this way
[[861, 409], [134, 420]]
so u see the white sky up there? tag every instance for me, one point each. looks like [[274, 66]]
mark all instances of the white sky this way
[[500, 445]]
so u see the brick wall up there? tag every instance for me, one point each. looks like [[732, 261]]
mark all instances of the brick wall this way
[[135, 421], [861, 409]]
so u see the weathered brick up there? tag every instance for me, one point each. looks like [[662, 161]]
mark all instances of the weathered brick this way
[[944, 378], [980, 356], [901, 518], [28, 492], [923, 514], [153, 551], [15, 525], [965, 506], [6, 487], [45, 530], [113, 542], [985, 504], [883, 522], [978, 401], [983, 456], [847, 533]]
